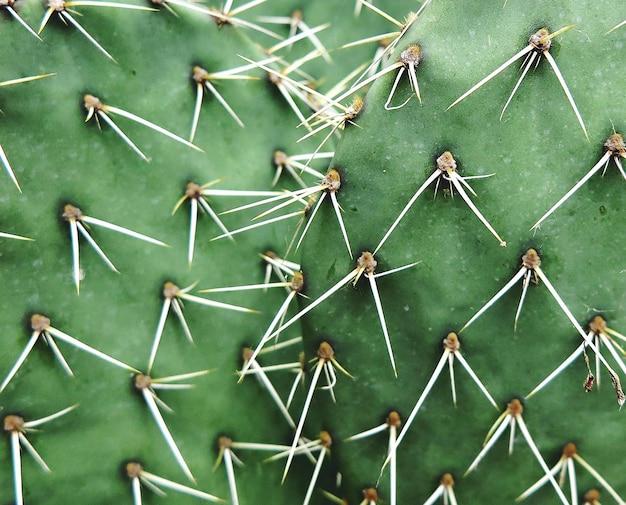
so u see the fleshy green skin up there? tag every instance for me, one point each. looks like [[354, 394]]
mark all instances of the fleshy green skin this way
[[537, 152]]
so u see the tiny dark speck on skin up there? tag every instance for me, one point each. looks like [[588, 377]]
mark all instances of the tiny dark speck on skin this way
[[602, 209]]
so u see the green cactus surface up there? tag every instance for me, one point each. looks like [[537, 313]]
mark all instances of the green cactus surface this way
[[384, 149]]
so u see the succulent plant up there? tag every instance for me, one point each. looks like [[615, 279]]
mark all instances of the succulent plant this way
[[192, 115]]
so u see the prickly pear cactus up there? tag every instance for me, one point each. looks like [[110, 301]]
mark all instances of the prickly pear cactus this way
[[150, 156]]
